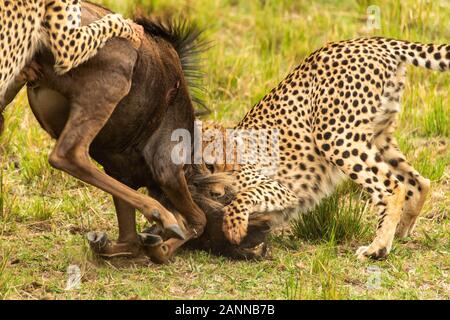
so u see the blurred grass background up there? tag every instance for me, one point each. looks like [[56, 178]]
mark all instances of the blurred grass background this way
[[255, 43]]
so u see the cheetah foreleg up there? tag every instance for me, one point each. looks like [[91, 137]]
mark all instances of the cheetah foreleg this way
[[74, 46], [269, 196]]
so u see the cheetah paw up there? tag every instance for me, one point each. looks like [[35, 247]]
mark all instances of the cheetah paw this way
[[138, 34], [368, 252], [31, 73], [234, 230], [361, 253]]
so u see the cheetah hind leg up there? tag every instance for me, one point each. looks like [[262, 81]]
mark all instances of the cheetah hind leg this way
[[388, 221], [412, 208], [374, 175], [417, 187]]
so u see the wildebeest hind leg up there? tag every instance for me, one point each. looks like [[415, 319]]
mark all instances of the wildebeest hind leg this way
[[128, 243], [71, 155]]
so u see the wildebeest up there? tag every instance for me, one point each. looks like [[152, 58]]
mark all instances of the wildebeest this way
[[121, 108]]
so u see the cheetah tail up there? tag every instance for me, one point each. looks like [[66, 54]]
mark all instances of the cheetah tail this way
[[430, 56]]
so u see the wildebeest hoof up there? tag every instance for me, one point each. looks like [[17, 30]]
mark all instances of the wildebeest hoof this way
[[154, 229], [100, 245], [257, 252], [97, 241], [150, 240], [156, 215], [174, 231], [170, 231]]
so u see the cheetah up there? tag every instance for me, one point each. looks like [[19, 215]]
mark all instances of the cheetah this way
[[335, 115], [27, 24]]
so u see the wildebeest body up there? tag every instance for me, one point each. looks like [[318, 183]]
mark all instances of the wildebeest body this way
[[109, 107], [134, 146]]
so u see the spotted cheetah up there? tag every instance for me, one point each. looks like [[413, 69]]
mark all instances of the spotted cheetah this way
[[26, 24], [335, 115]]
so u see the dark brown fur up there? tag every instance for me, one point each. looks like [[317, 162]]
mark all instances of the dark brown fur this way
[[128, 103], [95, 110]]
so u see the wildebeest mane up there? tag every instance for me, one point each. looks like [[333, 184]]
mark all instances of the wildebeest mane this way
[[185, 37]]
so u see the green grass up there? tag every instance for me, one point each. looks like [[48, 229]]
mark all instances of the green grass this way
[[336, 219], [44, 213]]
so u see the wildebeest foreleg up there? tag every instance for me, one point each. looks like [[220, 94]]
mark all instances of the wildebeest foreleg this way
[[180, 197], [71, 155], [178, 194]]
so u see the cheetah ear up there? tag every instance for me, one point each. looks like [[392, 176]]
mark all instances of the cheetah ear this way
[[172, 93]]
